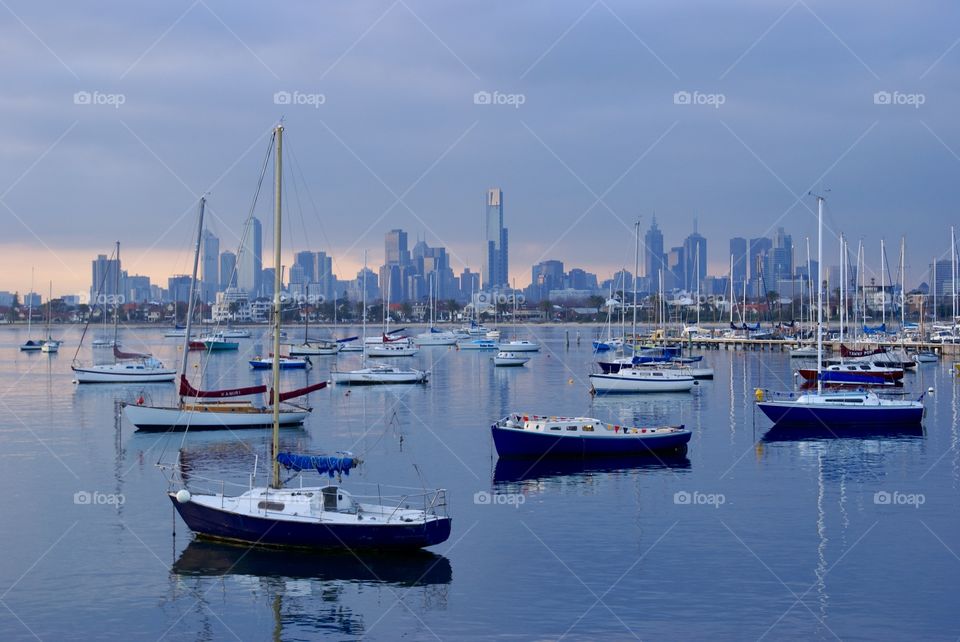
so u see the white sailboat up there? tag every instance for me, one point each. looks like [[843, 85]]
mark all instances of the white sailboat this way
[[433, 336], [377, 374], [313, 347], [30, 345], [860, 408], [50, 344], [127, 367], [221, 409]]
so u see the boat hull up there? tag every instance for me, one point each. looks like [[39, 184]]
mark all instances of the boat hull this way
[[214, 524], [153, 419], [617, 383], [125, 375], [371, 379], [308, 350], [511, 442], [789, 413]]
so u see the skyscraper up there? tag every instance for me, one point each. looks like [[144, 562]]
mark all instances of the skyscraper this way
[[496, 265], [653, 257], [756, 253], [545, 276], [779, 265], [228, 270], [738, 250], [695, 255], [250, 261], [105, 273], [396, 258], [210, 263]]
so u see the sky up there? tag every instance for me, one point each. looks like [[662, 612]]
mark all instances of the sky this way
[[116, 117]]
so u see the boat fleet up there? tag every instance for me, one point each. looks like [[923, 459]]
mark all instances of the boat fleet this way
[[281, 514]]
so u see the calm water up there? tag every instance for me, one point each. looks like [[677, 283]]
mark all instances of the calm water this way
[[752, 535]]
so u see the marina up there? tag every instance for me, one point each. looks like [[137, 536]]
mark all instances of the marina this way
[[812, 491]]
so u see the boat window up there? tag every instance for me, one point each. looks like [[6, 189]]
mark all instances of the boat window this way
[[554, 427], [588, 428], [571, 428], [270, 506]]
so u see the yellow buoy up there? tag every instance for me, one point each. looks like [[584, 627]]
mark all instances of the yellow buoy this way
[[758, 393]]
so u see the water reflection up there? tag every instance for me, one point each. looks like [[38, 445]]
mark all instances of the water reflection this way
[[517, 470], [409, 569], [781, 432], [310, 593]]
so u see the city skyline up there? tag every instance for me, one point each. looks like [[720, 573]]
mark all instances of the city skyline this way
[[919, 270]]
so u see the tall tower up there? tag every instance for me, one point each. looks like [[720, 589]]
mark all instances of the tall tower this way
[[738, 250], [496, 266], [210, 275], [250, 261], [695, 254], [228, 270], [653, 257]]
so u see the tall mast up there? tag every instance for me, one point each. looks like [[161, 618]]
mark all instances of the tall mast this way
[[842, 279], [953, 272], [809, 286], [277, 277], [731, 288], [903, 299], [819, 292], [883, 293], [190, 299], [116, 299], [30, 306], [363, 345], [934, 290], [636, 272]]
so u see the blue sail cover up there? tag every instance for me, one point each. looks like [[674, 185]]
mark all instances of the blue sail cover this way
[[880, 329], [337, 463]]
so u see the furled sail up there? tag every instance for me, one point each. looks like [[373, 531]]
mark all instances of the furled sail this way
[[299, 392], [118, 354], [186, 390], [338, 463]]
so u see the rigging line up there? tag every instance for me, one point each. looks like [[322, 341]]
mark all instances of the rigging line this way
[[323, 232], [303, 222], [113, 256]]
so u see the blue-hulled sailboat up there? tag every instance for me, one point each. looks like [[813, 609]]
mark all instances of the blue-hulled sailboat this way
[[835, 408], [317, 517]]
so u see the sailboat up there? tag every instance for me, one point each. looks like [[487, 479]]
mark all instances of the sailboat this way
[[860, 408], [434, 336], [220, 409], [30, 345], [388, 345], [127, 367], [377, 374], [313, 347], [515, 344], [309, 517], [626, 375], [50, 344]]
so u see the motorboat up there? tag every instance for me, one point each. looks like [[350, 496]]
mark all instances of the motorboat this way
[[639, 379], [477, 344], [509, 359], [286, 363], [379, 374], [545, 436], [520, 345]]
